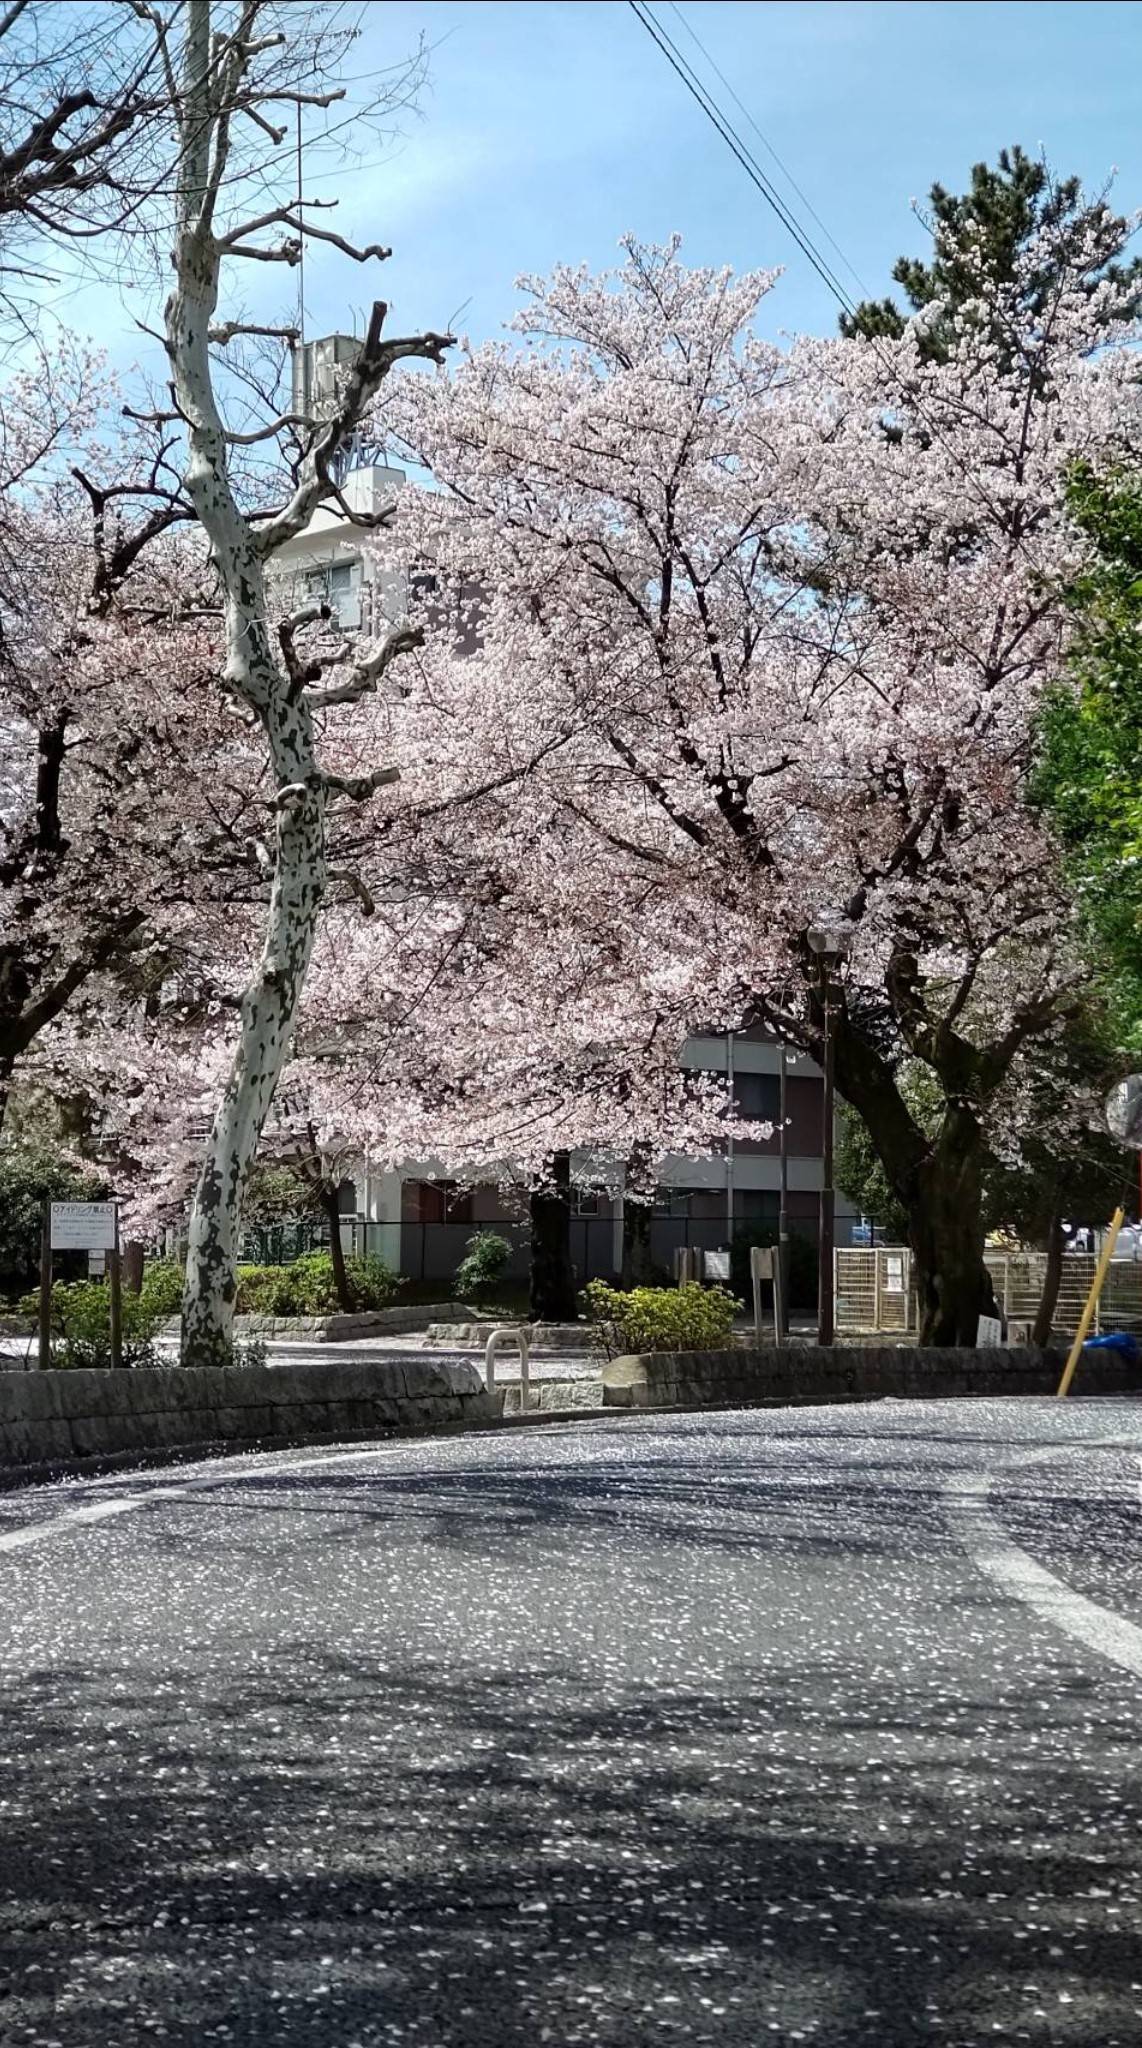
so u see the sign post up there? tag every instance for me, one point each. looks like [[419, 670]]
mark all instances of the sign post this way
[[78, 1227], [1100, 1273], [765, 1264], [46, 1289], [83, 1226], [115, 1299], [1123, 1113]]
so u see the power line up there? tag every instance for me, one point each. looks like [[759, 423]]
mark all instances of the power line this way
[[733, 141], [753, 170], [782, 166]]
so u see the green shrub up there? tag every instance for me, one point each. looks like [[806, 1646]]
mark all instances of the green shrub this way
[[373, 1283], [81, 1318], [162, 1288], [306, 1287], [30, 1175], [482, 1267], [687, 1318], [257, 1288]]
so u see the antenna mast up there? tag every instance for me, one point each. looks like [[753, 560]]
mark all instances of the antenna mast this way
[[303, 359]]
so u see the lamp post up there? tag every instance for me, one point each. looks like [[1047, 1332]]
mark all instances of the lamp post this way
[[831, 941], [783, 1197]]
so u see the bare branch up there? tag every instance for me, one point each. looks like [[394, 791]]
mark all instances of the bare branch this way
[[300, 673], [277, 135], [371, 521], [369, 371], [286, 252], [289, 217], [226, 332], [360, 787], [304, 99], [272, 428], [12, 16], [354, 882]]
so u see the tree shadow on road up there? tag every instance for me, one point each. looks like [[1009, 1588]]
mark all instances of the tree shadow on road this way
[[349, 1849]]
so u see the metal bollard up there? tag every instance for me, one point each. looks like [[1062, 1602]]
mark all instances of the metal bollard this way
[[510, 1333]]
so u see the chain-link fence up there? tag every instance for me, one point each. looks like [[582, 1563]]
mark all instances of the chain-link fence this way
[[281, 1242]]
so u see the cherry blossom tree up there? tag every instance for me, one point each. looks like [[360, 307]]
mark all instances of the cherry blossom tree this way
[[128, 785], [779, 666], [487, 1014]]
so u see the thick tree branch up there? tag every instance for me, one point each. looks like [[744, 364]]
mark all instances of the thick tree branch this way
[[359, 787], [365, 675], [367, 374]]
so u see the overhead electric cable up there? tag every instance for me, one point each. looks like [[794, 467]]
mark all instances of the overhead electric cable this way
[[721, 121]]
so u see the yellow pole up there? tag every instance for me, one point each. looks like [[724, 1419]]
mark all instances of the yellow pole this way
[[1100, 1271]]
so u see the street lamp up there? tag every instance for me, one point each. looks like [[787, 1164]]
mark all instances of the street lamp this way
[[831, 940], [783, 1191]]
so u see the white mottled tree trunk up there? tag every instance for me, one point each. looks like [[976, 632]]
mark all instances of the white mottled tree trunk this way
[[254, 672], [269, 1008], [215, 89]]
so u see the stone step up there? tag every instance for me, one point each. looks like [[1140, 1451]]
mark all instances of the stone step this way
[[546, 1395], [542, 1337]]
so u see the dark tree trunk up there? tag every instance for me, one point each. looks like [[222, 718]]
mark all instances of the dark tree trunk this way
[[637, 1267], [132, 1264], [1052, 1280], [552, 1274], [945, 1219], [939, 1185], [331, 1203]]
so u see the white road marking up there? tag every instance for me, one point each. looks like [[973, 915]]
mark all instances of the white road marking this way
[[102, 1511], [1017, 1573], [987, 1543], [97, 1511]]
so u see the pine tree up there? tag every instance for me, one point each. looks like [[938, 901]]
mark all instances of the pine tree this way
[[978, 238]]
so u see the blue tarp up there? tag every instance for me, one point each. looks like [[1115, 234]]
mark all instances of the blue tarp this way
[[1114, 1340]]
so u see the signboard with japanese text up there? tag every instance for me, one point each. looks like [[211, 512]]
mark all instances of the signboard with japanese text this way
[[83, 1226]]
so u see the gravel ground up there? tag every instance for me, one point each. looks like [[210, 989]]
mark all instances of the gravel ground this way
[[18, 1352], [699, 1729]]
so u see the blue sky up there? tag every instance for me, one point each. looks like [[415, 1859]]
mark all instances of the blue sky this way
[[548, 127]]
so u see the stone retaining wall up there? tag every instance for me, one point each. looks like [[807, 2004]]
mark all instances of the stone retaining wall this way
[[342, 1329], [50, 1419], [546, 1337], [719, 1379]]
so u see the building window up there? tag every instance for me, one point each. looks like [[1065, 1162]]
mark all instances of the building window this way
[[758, 1097], [335, 585], [437, 1201]]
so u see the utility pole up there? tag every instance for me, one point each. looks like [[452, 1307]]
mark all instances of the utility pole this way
[[825, 1305], [831, 941], [783, 1197], [730, 1089]]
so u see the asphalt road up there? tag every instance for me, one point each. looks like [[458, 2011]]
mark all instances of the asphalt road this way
[[816, 1726]]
